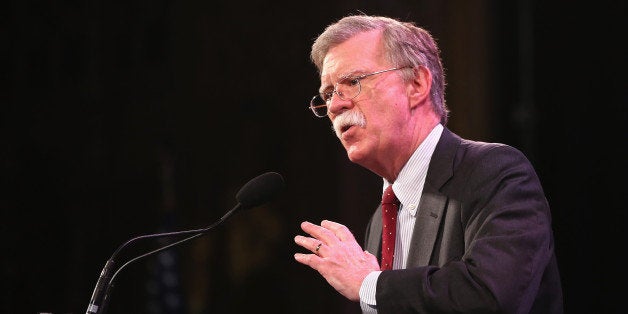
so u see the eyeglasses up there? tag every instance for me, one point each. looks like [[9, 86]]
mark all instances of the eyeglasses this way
[[347, 88]]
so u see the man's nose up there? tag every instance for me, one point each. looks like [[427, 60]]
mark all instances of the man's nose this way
[[337, 105]]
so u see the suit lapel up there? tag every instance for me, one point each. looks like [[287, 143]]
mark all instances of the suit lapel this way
[[374, 236], [425, 231]]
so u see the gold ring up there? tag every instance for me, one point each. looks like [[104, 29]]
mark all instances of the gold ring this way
[[318, 247]]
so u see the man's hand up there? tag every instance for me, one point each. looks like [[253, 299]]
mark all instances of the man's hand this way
[[337, 256]]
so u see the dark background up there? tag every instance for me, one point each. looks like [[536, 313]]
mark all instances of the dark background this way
[[130, 118]]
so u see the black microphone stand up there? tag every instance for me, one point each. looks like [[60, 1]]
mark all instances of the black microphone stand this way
[[257, 191], [100, 296]]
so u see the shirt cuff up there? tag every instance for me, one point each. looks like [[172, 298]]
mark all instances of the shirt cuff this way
[[368, 302]]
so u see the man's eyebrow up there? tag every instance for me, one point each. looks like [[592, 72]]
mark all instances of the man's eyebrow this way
[[325, 88], [346, 75], [352, 73]]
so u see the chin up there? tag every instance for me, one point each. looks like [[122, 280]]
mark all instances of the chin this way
[[354, 153]]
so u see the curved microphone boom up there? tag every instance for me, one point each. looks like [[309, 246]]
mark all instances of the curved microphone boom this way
[[259, 190]]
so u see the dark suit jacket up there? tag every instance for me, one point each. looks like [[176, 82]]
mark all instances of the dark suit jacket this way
[[482, 241]]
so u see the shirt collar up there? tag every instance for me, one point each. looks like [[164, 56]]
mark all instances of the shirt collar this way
[[413, 173]]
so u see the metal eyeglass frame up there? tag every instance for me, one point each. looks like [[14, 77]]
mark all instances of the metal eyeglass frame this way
[[323, 100]]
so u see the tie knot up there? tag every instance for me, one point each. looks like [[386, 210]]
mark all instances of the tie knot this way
[[389, 196]]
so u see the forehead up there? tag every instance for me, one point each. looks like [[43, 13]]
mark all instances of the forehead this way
[[362, 52]]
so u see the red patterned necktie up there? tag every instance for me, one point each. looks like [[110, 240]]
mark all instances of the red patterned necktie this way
[[390, 204]]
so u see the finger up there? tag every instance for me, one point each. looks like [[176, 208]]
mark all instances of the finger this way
[[308, 243], [340, 231], [308, 259], [324, 235]]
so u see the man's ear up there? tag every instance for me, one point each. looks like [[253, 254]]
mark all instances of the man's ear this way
[[420, 86]]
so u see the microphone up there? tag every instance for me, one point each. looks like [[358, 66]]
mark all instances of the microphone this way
[[259, 190]]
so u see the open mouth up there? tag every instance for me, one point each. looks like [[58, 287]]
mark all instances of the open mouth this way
[[345, 128]]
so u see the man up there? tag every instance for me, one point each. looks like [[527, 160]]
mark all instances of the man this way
[[473, 229]]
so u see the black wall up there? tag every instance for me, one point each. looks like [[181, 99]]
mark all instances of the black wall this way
[[123, 119]]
